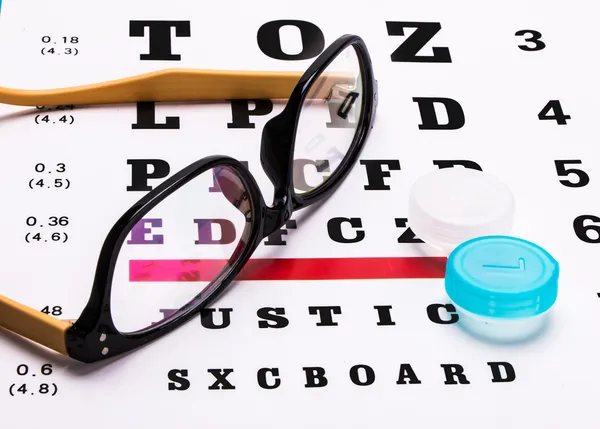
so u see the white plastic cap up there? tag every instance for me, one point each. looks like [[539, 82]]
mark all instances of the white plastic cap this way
[[452, 205]]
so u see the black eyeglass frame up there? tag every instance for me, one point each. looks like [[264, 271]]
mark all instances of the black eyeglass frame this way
[[93, 336]]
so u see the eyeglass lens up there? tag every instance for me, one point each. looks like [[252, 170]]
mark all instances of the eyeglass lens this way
[[170, 255], [328, 121]]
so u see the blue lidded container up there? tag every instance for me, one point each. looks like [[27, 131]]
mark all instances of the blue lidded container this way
[[502, 287]]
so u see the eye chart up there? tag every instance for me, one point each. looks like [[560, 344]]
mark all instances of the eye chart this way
[[508, 88]]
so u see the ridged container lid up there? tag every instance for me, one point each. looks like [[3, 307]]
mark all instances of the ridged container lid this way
[[502, 277], [451, 205]]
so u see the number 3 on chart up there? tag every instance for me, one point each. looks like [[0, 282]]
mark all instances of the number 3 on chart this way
[[535, 38]]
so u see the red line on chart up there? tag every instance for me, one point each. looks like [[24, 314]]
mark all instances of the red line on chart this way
[[205, 270]]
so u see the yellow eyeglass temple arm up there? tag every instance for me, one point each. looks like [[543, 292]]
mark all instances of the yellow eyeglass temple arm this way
[[174, 85], [34, 325]]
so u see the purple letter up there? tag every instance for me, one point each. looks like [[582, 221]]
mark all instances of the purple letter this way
[[139, 231], [205, 231]]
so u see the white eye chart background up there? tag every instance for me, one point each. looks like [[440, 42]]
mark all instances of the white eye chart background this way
[[386, 360]]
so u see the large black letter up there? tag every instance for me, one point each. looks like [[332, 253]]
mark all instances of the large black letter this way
[[453, 371], [334, 229], [269, 40], [407, 236], [221, 376], [433, 312], [369, 375], [208, 321], [315, 377], [497, 374], [456, 116], [160, 37], [140, 174], [146, 118], [272, 315], [325, 314], [406, 371], [178, 379], [375, 174], [261, 376], [424, 32], [240, 112], [385, 317]]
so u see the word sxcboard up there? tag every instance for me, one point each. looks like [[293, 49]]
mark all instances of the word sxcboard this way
[[327, 337]]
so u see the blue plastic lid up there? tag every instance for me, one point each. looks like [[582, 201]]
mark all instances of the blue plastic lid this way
[[502, 277]]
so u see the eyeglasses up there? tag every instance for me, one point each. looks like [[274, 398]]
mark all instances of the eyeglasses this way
[[212, 205]]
